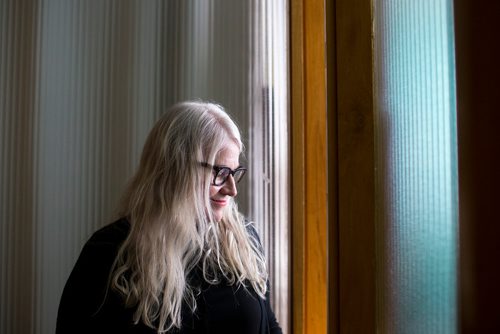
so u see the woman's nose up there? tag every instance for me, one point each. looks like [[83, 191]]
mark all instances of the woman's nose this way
[[229, 187]]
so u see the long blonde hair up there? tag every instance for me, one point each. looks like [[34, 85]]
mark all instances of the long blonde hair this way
[[172, 227]]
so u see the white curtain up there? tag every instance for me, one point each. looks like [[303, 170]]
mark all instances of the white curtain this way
[[82, 82]]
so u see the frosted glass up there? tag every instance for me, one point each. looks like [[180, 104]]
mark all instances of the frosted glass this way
[[416, 167]]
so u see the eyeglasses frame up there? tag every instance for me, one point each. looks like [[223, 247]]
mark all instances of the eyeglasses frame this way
[[217, 169]]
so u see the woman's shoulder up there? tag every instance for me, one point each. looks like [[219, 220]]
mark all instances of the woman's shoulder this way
[[87, 286], [100, 250], [113, 233]]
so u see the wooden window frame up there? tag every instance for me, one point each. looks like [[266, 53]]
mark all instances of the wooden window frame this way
[[333, 235], [308, 156]]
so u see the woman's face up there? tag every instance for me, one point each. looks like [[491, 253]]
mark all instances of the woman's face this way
[[219, 195]]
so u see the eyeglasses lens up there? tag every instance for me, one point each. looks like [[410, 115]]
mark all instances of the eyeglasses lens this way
[[224, 173], [222, 176], [238, 175]]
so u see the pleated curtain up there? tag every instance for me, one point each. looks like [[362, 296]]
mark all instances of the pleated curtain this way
[[81, 84]]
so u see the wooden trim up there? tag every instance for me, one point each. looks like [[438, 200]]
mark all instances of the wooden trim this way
[[356, 166], [309, 185], [350, 287], [333, 237]]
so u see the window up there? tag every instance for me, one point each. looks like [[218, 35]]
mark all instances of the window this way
[[416, 162]]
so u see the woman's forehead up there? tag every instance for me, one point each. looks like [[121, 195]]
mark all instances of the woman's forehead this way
[[229, 155]]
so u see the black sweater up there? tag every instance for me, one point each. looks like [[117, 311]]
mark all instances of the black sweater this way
[[89, 306]]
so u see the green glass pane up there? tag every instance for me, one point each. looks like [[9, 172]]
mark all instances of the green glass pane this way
[[416, 167]]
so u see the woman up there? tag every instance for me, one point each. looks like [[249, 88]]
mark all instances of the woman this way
[[181, 259]]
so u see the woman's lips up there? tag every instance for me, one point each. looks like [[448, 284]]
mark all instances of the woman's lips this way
[[219, 202]]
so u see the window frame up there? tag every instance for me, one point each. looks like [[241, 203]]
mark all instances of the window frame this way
[[309, 177], [333, 238]]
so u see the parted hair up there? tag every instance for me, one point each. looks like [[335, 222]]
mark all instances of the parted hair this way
[[172, 227]]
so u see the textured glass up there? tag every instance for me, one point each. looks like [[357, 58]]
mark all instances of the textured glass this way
[[81, 84], [416, 167]]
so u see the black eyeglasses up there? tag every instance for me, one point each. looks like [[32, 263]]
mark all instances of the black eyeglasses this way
[[222, 173]]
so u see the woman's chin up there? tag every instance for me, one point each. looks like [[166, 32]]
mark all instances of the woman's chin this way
[[217, 216], [218, 208]]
